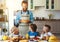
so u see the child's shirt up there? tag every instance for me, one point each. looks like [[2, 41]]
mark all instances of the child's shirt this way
[[30, 33], [46, 34], [14, 35]]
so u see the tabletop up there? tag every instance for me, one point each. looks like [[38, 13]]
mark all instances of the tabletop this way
[[24, 41]]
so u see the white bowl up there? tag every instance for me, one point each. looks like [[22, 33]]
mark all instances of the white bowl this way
[[32, 36]]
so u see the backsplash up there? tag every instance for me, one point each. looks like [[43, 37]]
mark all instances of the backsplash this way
[[41, 12]]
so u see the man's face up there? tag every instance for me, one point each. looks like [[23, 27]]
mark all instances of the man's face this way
[[24, 6]]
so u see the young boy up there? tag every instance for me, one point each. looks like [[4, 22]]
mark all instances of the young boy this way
[[33, 31], [46, 32]]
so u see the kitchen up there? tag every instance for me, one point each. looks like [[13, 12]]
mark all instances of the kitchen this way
[[44, 12]]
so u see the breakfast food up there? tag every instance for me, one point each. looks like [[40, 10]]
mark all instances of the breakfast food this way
[[23, 40], [53, 39], [15, 39], [5, 37], [25, 18], [27, 36], [24, 21]]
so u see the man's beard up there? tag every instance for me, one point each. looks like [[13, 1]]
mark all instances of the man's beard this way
[[24, 10]]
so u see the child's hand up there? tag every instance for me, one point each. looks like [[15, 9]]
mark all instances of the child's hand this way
[[42, 32], [20, 37], [38, 37], [47, 37]]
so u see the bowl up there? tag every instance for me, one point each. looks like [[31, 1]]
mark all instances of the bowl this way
[[32, 36]]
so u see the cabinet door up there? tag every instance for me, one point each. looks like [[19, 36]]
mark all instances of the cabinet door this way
[[52, 5], [2, 4], [39, 2], [55, 5], [58, 4], [31, 5], [47, 4]]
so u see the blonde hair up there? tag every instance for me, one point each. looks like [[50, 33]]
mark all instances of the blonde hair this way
[[14, 28]]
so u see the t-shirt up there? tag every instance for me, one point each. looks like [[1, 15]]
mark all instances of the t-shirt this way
[[46, 34], [33, 33], [14, 35]]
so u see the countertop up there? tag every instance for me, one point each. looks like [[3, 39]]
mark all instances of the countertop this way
[[48, 20]]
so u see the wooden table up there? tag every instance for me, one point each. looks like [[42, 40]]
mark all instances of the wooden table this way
[[22, 41], [33, 41]]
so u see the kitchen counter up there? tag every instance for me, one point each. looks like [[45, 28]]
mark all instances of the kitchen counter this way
[[48, 20], [54, 23]]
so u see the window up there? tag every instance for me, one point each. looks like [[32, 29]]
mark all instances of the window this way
[[12, 5]]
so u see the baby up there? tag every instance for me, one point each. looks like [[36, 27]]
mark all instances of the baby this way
[[15, 36]]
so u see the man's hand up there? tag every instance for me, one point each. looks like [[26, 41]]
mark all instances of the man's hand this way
[[28, 21], [20, 21]]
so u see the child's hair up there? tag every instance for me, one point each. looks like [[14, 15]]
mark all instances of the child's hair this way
[[13, 29], [49, 27], [33, 27]]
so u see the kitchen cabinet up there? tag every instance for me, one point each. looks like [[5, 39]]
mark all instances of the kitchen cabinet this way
[[39, 2], [31, 5], [2, 4], [58, 4], [52, 5], [3, 17]]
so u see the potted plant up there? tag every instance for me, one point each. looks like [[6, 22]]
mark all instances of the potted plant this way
[[50, 16]]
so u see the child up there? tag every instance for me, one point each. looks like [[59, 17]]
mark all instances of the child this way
[[15, 34], [33, 31], [46, 32]]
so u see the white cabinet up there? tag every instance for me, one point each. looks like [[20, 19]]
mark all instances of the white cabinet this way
[[31, 5], [39, 2], [58, 4], [52, 5], [49, 4]]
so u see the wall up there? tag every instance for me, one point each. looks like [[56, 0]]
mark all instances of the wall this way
[[41, 12]]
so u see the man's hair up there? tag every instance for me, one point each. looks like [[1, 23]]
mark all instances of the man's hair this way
[[33, 27], [49, 27], [25, 2]]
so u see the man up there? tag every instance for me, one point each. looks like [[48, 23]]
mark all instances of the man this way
[[24, 11]]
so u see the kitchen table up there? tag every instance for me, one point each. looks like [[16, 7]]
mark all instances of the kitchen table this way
[[32, 41], [6, 41], [24, 41]]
